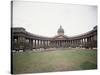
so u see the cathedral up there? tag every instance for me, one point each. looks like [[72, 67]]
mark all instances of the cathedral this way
[[24, 40]]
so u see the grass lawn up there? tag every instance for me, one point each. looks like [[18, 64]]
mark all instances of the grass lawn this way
[[50, 61]]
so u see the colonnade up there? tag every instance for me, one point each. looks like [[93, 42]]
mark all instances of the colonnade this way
[[29, 43], [21, 43], [87, 42]]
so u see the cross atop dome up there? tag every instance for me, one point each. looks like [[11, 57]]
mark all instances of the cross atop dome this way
[[60, 31]]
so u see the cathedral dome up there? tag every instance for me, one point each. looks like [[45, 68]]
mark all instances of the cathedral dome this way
[[61, 31]]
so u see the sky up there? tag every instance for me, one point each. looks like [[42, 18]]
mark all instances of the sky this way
[[44, 18]]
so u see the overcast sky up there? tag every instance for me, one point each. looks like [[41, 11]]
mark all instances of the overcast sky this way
[[45, 18]]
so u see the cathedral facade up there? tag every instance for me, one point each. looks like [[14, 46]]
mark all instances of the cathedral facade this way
[[24, 40]]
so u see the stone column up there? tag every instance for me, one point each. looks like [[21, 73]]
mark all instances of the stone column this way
[[51, 44], [76, 44], [58, 43], [91, 42], [88, 42], [68, 43], [31, 43], [35, 44], [71, 43], [82, 42], [48, 43], [85, 42], [43, 43], [38, 44], [79, 43], [64, 43], [21, 43], [95, 41], [16, 46], [55, 43]]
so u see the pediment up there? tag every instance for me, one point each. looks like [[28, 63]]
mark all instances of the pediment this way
[[60, 37]]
